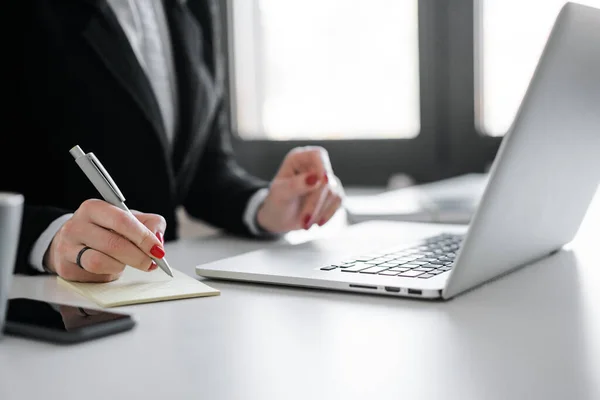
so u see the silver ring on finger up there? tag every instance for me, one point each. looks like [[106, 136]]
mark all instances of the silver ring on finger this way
[[78, 261]]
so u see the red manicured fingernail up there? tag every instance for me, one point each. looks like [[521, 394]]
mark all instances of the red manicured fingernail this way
[[153, 267], [157, 251], [160, 237], [311, 180], [306, 221], [321, 222], [326, 178]]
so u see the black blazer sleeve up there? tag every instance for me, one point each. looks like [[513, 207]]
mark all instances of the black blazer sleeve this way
[[35, 220], [221, 189]]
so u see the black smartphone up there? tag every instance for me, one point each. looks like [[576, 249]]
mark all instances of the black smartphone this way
[[60, 323]]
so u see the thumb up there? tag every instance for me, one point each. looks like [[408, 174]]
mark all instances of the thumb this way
[[298, 185]]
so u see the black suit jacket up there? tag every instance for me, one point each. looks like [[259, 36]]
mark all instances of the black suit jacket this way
[[76, 81]]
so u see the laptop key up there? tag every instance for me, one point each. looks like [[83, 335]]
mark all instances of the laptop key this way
[[436, 262], [364, 258], [411, 274], [425, 276], [407, 262], [399, 269], [379, 260], [356, 268], [373, 270], [423, 270], [388, 272], [329, 268], [387, 265], [397, 263], [410, 259]]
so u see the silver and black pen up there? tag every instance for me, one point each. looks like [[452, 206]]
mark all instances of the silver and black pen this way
[[97, 174]]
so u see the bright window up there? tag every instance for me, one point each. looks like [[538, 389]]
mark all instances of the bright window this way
[[510, 36], [325, 69]]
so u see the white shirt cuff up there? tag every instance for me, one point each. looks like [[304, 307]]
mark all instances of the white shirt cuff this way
[[36, 257], [252, 209]]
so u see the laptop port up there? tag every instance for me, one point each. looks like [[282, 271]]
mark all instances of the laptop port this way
[[392, 289], [363, 287], [415, 291]]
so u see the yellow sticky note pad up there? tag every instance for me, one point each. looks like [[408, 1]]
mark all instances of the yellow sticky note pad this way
[[136, 287]]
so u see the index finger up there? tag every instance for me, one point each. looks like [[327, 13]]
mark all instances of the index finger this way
[[127, 225], [312, 158]]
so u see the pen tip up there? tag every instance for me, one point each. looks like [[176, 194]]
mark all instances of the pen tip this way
[[167, 268]]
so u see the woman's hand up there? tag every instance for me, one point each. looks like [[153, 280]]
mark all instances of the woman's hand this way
[[115, 237], [304, 192]]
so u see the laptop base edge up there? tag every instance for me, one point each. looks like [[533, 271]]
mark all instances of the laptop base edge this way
[[339, 286]]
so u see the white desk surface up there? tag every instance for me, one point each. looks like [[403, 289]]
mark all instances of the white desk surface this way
[[534, 334]]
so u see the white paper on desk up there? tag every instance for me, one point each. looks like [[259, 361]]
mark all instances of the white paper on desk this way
[[135, 287]]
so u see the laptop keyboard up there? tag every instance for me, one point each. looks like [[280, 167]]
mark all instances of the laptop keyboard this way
[[424, 260]]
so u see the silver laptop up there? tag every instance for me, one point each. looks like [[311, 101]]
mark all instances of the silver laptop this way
[[540, 186]]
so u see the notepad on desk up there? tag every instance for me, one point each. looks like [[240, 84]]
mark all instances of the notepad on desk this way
[[136, 287]]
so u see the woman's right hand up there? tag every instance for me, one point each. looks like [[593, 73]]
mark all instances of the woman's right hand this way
[[115, 237]]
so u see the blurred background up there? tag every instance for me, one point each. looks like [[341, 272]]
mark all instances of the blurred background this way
[[400, 92], [425, 88]]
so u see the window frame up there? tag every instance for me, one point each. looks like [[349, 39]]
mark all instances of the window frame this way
[[470, 149], [448, 143]]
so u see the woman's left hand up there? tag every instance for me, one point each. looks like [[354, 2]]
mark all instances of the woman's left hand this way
[[304, 192]]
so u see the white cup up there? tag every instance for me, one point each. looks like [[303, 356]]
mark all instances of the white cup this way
[[11, 211]]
